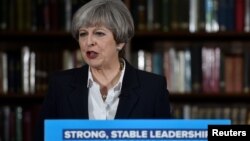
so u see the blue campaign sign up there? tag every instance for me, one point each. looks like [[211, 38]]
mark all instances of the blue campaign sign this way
[[123, 130]]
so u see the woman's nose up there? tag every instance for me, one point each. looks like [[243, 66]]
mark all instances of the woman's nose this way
[[90, 41]]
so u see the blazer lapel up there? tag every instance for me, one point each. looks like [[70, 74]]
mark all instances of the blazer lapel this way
[[128, 96], [79, 97]]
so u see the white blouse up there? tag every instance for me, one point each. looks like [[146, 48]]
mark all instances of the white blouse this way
[[99, 109]]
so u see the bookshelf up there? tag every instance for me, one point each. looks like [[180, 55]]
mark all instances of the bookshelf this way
[[56, 41], [214, 36]]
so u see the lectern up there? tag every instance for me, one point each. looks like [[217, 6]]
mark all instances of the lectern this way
[[125, 130]]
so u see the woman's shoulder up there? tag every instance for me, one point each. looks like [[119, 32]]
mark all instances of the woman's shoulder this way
[[149, 75], [69, 73], [151, 81]]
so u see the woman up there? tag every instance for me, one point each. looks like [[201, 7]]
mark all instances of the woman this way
[[108, 87]]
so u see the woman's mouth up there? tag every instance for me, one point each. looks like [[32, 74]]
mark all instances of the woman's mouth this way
[[91, 54]]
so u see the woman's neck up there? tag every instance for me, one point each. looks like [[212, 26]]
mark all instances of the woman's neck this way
[[107, 77]]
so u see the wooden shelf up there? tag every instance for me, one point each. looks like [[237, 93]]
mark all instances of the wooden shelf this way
[[210, 98], [176, 98], [21, 99], [37, 39], [187, 36], [55, 36]]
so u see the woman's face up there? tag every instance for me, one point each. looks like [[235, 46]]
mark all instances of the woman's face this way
[[98, 47]]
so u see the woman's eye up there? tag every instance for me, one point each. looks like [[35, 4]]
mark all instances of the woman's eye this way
[[82, 34], [99, 33]]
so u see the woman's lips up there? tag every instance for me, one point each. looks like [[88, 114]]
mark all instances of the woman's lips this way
[[92, 54]]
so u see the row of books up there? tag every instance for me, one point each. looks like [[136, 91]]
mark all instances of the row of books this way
[[192, 15], [238, 113], [18, 123], [164, 15], [36, 15], [26, 71], [202, 68]]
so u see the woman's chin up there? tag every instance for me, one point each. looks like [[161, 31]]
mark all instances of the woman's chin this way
[[95, 66]]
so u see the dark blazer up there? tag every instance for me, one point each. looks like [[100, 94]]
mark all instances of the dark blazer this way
[[143, 96]]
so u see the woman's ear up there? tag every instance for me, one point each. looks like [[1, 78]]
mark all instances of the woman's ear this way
[[120, 46]]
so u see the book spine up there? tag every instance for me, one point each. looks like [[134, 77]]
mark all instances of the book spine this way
[[193, 16], [239, 15], [32, 73], [247, 16], [19, 123], [25, 69], [165, 24]]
